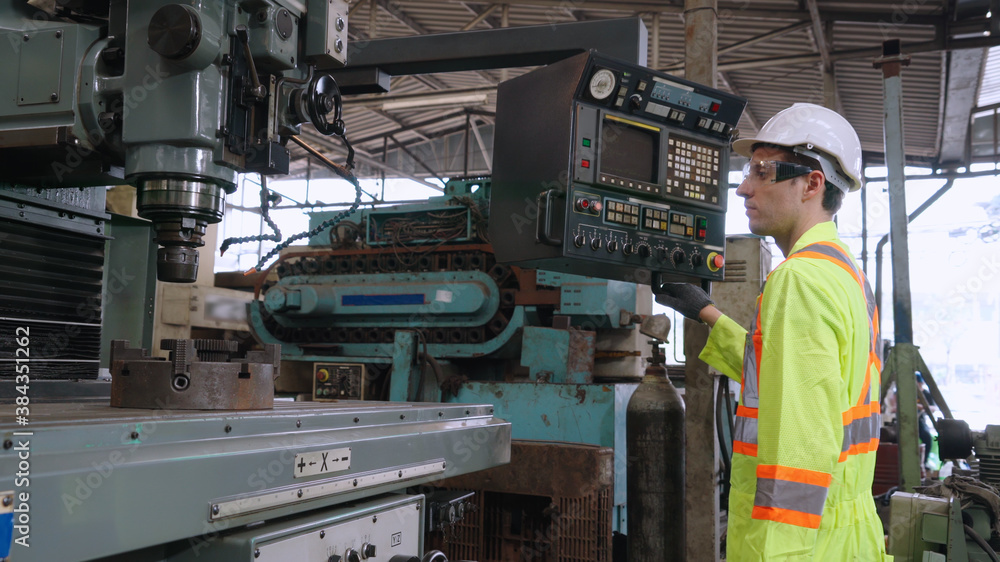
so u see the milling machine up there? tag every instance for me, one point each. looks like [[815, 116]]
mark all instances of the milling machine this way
[[195, 460]]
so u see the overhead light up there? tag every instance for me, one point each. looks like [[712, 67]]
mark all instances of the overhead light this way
[[436, 101]]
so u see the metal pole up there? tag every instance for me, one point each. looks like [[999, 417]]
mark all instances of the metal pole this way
[[895, 163], [700, 448], [468, 126], [656, 42], [891, 64], [864, 226]]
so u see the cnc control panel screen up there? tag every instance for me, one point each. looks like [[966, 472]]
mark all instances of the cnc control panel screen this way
[[629, 150]]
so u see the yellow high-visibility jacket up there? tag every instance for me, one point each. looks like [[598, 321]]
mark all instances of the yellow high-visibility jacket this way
[[808, 421]]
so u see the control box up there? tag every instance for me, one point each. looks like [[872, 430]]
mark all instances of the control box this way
[[612, 170], [338, 381]]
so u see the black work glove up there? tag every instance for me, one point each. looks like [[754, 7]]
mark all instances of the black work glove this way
[[684, 298]]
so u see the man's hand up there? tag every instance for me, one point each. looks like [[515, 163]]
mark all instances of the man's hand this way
[[685, 298]]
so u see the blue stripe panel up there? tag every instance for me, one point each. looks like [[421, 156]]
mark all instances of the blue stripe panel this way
[[382, 300]]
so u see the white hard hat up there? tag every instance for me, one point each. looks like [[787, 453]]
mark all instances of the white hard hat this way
[[818, 132]]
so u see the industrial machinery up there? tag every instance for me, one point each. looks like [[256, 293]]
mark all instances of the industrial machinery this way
[[408, 302], [177, 99], [617, 171], [957, 518], [172, 98]]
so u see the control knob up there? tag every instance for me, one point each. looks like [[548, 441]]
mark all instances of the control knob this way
[[644, 251], [677, 256], [368, 550], [635, 101], [661, 254], [353, 556], [595, 244], [697, 259], [579, 240], [628, 249], [612, 246]]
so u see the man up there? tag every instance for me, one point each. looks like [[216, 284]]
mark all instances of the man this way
[[808, 420]]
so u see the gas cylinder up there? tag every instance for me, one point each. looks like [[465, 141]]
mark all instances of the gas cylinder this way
[[655, 434]]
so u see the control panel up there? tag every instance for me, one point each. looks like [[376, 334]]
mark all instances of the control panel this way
[[612, 170], [338, 381]]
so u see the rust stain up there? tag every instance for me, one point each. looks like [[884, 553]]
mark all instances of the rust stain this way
[[498, 394], [581, 394], [545, 420]]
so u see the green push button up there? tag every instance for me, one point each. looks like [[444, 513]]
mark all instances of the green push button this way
[[586, 142]]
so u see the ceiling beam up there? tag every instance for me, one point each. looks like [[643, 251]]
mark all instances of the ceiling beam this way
[[780, 32], [725, 82], [393, 10], [482, 145], [921, 15], [823, 38], [368, 159], [411, 126], [479, 18], [964, 72], [870, 52], [416, 159]]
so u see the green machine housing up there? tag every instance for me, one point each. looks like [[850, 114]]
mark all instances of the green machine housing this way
[[414, 294]]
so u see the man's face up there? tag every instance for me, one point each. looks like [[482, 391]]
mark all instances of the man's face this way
[[771, 207]]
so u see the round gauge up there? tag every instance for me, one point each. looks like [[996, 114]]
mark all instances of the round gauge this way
[[602, 83]]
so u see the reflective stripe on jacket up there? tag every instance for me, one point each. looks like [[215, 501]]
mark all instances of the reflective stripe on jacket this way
[[806, 426]]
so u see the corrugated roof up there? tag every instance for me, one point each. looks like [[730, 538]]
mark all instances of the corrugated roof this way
[[853, 31]]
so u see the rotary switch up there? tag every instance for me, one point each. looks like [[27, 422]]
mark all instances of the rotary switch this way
[[678, 256]]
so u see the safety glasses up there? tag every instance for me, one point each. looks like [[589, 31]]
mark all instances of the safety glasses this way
[[764, 172]]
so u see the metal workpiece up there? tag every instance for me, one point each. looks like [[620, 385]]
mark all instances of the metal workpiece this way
[[163, 476], [200, 375]]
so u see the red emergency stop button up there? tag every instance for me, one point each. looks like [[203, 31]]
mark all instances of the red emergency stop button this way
[[715, 261], [322, 375]]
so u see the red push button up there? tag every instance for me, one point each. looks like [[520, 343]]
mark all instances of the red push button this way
[[585, 163], [715, 261]]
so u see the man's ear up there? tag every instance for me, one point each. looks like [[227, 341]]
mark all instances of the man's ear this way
[[815, 185]]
